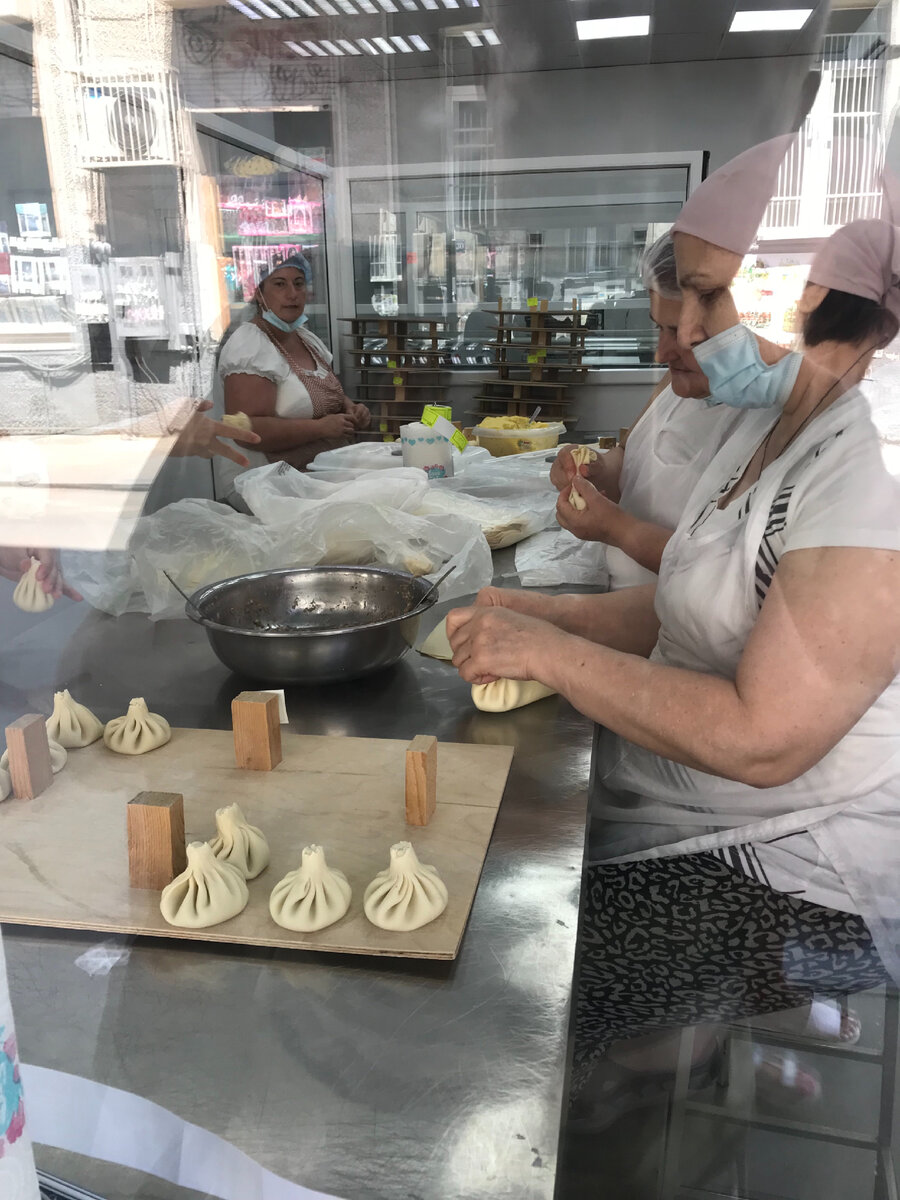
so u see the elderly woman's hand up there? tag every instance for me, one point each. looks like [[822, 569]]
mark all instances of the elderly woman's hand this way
[[201, 436], [497, 643], [603, 473], [335, 425], [600, 521]]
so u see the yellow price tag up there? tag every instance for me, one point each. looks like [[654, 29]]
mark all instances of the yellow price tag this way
[[392, 362], [532, 302], [398, 381], [534, 358]]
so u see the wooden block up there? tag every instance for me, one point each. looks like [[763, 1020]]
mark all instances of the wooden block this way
[[257, 731], [156, 852], [421, 780], [29, 756]]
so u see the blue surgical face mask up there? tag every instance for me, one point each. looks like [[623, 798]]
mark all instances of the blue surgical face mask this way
[[737, 375], [284, 326]]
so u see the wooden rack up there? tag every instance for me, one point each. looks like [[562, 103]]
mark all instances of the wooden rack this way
[[398, 391], [537, 362]]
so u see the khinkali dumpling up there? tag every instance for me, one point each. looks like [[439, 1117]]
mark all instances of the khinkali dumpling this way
[[437, 644], [208, 892], [138, 731], [407, 895], [580, 456], [312, 897], [29, 594], [238, 420], [503, 695], [5, 784], [239, 843], [71, 724], [58, 756]]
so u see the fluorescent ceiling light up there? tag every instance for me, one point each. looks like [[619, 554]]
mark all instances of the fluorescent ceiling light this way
[[265, 9], [613, 27], [419, 42], [285, 8], [384, 44], [430, 4], [472, 38], [451, 3], [367, 46], [332, 48], [242, 8], [388, 5], [473, 3], [327, 8], [490, 37], [298, 49], [402, 44], [315, 47], [305, 8], [756, 20], [409, 5], [348, 8], [349, 47]]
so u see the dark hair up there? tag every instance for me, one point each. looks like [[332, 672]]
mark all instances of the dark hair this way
[[842, 317]]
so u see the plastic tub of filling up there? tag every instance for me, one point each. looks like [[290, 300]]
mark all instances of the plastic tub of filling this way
[[502, 436]]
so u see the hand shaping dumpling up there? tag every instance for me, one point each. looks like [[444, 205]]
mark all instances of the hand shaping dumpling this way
[[208, 892], [138, 731], [503, 695], [580, 456], [71, 724], [58, 756], [5, 784], [239, 843], [312, 897], [407, 895], [29, 595]]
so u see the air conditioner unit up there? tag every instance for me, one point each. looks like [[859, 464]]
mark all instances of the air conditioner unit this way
[[128, 122]]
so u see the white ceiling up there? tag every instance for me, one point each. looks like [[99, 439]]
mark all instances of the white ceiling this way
[[534, 35]]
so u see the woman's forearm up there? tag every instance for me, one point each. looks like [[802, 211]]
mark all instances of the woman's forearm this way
[[695, 719], [643, 542], [283, 433], [624, 620]]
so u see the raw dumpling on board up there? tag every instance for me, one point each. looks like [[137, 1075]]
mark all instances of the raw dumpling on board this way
[[58, 756], [437, 644], [5, 784], [503, 695], [240, 843], [207, 893], [29, 594], [138, 732], [71, 724], [580, 456], [407, 895], [312, 897]]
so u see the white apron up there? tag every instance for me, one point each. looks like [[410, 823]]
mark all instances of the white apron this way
[[667, 451], [849, 802]]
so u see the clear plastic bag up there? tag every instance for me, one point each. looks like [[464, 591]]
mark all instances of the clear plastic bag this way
[[271, 492], [558, 557]]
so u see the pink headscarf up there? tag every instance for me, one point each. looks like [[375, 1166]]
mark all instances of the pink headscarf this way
[[862, 258], [726, 208]]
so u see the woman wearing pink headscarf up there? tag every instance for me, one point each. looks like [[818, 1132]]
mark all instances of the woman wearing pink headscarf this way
[[750, 699]]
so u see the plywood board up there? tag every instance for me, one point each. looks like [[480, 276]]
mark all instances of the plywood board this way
[[64, 855]]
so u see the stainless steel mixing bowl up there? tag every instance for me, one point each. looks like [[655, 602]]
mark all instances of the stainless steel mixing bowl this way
[[313, 624]]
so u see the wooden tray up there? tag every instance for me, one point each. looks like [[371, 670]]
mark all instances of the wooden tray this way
[[64, 859]]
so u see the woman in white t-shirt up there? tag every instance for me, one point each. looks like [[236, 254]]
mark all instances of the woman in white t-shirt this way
[[279, 376], [753, 762]]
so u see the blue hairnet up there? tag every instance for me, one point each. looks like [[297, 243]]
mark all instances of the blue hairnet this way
[[300, 261]]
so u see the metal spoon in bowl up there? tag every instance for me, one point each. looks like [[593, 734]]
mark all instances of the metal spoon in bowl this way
[[435, 585], [181, 592]]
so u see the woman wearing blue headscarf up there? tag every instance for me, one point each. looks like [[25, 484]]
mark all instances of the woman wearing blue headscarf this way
[[279, 374]]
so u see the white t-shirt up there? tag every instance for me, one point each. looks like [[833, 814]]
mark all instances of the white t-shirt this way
[[832, 487], [666, 453]]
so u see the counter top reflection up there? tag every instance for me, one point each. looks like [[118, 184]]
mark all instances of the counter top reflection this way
[[361, 1078]]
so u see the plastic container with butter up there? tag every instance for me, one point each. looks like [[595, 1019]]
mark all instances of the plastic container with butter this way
[[522, 439]]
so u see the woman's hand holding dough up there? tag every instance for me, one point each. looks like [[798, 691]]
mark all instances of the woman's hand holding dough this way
[[530, 604], [335, 425], [600, 520], [494, 643]]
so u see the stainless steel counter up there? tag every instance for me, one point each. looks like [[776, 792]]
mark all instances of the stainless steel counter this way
[[360, 1077]]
